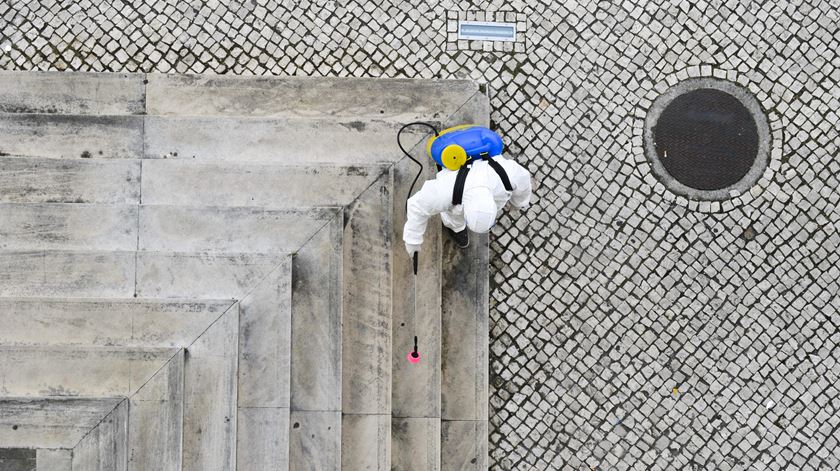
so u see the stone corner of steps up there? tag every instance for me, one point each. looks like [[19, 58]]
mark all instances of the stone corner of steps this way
[[309, 343]]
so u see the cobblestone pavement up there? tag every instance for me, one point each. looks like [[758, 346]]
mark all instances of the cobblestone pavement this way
[[631, 329]]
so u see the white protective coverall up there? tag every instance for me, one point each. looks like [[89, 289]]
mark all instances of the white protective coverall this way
[[484, 197]]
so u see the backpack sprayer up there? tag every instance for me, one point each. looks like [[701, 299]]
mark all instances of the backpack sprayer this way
[[451, 148]]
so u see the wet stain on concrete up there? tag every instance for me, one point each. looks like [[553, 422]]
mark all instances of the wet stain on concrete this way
[[9, 108], [354, 171], [355, 126]]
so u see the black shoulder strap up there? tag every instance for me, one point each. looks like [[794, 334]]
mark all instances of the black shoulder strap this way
[[460, 180], [502, 174]]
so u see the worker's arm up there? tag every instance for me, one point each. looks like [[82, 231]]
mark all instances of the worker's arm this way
[[520, 179], [432, 199]]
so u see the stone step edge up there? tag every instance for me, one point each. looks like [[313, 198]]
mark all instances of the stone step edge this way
[[24, 399], [326, 209], [132, 300], [144, 91], [389, 124], [85, 348], [172, 321], [383, 165]]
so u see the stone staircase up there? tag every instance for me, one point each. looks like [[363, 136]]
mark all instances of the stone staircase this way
[[206, 273]]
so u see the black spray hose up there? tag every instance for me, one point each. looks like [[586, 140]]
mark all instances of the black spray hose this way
[[419, 172], [414, 356]]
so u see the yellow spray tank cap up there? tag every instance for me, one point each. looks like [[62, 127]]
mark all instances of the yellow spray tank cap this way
[[453, 156]]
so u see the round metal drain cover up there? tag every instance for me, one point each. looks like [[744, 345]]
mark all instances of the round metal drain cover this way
[[706, 137]]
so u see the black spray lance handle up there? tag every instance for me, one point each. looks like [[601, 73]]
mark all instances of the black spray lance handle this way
[[415, 355]]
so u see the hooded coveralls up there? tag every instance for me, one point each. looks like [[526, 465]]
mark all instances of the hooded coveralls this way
[[484, 197]]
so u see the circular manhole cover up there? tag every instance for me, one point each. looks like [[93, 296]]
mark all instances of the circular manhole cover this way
[[707, 137]]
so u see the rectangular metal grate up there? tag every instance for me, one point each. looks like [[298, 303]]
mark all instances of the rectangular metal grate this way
[[486, 31]]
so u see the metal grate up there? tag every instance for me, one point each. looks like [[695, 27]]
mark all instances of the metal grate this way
[[706, 139], [486, 31]]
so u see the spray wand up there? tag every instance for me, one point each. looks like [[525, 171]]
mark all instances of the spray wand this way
[[414, 355]]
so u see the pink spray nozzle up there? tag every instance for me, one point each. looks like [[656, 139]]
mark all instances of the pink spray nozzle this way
[[413, 357]]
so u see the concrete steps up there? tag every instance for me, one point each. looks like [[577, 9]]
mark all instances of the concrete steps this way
[[64, 273], [52, 423], [42, 180], [31, 226], [264, 372], [304, 97], [315, 391], [274, 186], [154, 275], [51, 226], [106, 322], [72, 93], [156, 418], [71, 136], [228, 230], [105, 447], [171, 181], [270, 140], [210, 396], [43, 371], [232, 246]]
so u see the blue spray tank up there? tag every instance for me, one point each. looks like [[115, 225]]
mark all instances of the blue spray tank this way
[[455, 146]]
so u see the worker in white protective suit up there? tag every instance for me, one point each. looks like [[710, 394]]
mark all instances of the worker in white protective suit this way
[[470, 198]]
